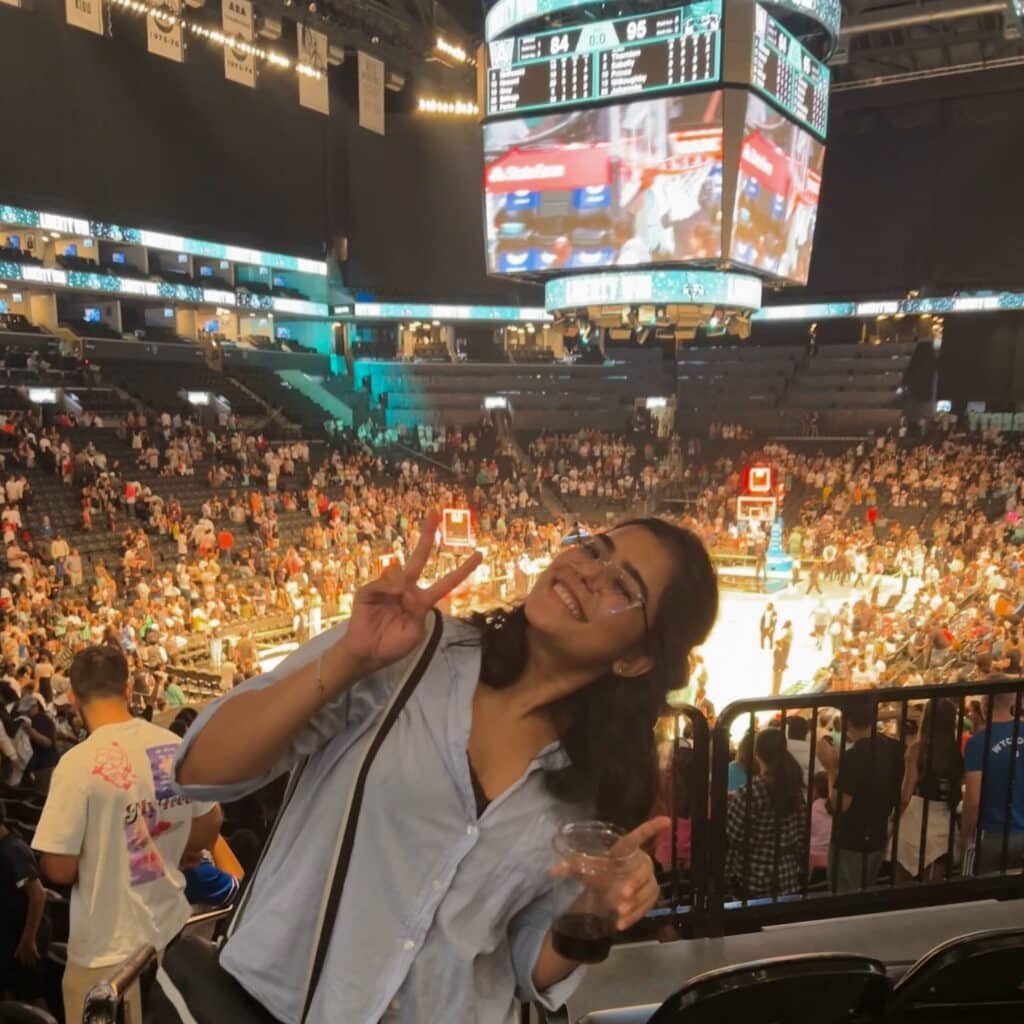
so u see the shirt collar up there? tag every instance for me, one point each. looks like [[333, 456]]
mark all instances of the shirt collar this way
[[462, 649]]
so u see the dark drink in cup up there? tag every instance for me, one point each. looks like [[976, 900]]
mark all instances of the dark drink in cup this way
[[593, 867], [586, 938]]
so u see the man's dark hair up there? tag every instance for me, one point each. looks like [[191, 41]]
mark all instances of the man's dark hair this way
[[97, 672], [861, 714], [796, 727]]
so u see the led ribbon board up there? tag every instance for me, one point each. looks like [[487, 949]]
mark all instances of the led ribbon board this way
[[682, 287], [87, 281], [423, 311], [506, 15], [157, 240], [991, 302]]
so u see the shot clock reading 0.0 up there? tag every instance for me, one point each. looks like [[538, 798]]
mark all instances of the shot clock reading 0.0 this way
[[620, 57]]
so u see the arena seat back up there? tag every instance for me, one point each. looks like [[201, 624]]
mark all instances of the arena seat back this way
[[823, 988], [975, 977]]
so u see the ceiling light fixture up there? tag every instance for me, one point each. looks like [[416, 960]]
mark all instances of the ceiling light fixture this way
[[452, 50], [453, 108]]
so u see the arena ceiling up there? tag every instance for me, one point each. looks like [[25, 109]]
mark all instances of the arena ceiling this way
[[880, 40], [923, 38]]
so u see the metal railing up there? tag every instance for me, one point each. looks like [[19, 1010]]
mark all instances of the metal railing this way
[[105, 1002], [700, 896], [708, 899]]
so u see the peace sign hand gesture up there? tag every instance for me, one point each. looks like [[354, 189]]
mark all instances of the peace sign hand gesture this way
[[389, 615]]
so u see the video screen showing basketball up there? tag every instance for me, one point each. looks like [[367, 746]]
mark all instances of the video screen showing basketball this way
[[624, 185], [777, 194]]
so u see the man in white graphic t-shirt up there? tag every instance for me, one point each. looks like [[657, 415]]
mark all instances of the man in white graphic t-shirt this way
[[114, 828]]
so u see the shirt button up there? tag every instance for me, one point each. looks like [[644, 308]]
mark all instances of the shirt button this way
[[472, 830], [408, 944]]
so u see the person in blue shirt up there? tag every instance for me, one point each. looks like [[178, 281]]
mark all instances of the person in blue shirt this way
[[522, 721], [742, 765], [986, 797]]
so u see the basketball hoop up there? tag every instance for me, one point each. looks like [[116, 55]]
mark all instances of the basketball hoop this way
[[754, 509]]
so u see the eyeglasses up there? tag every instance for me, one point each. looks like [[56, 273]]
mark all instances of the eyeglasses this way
[[623, 592]]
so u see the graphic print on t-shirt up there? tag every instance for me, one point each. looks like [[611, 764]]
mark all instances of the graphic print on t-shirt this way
[[161, 760], [113, 765], [144, 861], [143, 822]]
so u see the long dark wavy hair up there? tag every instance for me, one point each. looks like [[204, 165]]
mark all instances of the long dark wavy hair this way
[[938, 753], [783, 775], [610, 736]]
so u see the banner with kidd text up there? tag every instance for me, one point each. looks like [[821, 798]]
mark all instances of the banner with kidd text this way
[[237, 21], [163, 31], [87, 14], [312, 50], [371, 93]]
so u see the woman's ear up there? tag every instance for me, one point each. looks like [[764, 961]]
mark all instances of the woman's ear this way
[[631, 666]]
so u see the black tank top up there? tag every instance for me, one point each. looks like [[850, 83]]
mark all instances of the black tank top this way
[[479, 795]]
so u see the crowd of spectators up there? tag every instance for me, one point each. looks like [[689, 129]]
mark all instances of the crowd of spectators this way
[[927, 536], [211, 535], [589, 464]]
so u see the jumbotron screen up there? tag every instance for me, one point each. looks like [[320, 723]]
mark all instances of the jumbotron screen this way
[[623, 185], [777, 191]]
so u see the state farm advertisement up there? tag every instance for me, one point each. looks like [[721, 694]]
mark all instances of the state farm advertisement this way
[[549, 169], [624, 185]]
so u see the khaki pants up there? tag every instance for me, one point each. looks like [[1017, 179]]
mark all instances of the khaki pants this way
[[78, 981]]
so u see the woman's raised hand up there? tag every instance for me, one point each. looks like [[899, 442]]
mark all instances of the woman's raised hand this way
[[389, 615]]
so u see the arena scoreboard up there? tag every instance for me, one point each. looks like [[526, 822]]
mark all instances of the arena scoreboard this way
[[676, 48], [633, 136], [785, 71]]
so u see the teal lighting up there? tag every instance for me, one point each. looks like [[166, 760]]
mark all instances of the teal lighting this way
[[427, 311], [17, 215], [680, 287]]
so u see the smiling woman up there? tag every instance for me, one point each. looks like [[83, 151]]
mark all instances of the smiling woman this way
[[464, 749], [625, 608]]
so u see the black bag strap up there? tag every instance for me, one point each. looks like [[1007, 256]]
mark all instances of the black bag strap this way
[[348, 836]]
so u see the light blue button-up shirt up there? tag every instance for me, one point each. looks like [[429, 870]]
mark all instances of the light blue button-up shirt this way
[[442, 914]]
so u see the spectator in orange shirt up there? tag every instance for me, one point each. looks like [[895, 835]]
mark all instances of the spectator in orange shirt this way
[[226, 544]]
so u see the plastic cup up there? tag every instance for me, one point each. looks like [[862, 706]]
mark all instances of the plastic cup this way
[[585, 915]]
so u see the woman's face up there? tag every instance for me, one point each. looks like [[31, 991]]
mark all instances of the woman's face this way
[[590, 602]]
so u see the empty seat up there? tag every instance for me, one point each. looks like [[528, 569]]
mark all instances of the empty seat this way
[[974, 978], [818, 988]]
